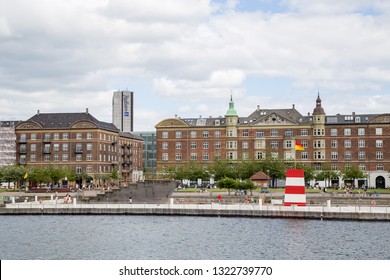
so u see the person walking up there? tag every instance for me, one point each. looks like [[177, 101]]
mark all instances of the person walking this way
[[130, 200]]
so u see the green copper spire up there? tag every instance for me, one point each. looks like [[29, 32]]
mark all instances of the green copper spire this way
[[231, 112]]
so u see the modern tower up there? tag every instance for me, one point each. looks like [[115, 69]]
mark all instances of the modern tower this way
[[122, 110]]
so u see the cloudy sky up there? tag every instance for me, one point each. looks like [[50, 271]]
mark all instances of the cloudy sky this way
[[186, 57]]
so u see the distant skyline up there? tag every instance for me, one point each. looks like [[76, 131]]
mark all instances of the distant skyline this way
[[186, 58]]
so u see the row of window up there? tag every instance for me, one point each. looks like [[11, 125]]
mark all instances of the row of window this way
[[65, 157], [65, 147], [275, 132], [65, 136], [288, 144], [287, 155]]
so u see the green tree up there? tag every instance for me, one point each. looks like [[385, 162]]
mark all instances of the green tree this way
[[326, 174], [228, 183], [224, 168], [248, 185], [352, 174], [274, 167]]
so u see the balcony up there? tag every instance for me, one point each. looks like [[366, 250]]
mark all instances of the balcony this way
[[79, 150]]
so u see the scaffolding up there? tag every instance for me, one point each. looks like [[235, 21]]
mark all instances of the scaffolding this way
[[7, 142]]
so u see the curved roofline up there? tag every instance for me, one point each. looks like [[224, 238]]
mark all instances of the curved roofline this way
[[171, 119]]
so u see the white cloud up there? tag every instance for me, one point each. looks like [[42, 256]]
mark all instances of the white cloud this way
[[69, 55]]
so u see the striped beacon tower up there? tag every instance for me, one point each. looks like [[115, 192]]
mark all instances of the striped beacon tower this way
[[294, 193]]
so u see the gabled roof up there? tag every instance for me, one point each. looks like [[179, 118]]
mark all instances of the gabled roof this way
[[260, 175]]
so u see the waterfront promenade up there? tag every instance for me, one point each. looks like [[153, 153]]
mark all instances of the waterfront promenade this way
[[57, 207]]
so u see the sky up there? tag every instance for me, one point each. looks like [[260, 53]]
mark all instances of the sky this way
[[187, 57]]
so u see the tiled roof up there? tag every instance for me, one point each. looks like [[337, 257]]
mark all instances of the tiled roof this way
[[66, 120]]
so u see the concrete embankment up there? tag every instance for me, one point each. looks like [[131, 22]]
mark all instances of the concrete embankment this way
[[360, 213]]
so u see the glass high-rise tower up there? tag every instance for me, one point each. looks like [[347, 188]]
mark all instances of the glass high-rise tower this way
[[122, 110]]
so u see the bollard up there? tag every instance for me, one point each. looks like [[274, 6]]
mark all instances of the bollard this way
[[261, 204], [171, 201], [36, 198], [51, 197], [74, 201], [13, 200], [328, 204]]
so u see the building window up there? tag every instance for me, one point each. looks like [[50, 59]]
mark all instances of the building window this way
[[347, 143], [288, 133], [165, 156], [89, 146], [33, 136], [205, 134], [205, 156], [178, 156], [193, 145], [288, 155], [259, 155], [245, 133], [287, 144], [245, 156], [79, 136], [380, 167], [379, 143], [33, 147], [274, 132], [361, 155], [362, 167], [347, 155], [361, 143], [79, 169], [361, 131], [334, 167], [178, 145], [217, 134], [319, 155], [65, 136], [218, 155], [231, 145], [231, 155], [245, 145], [56, 147], [205, 145], [259, 133], [178, 134], [260, 144], [89, 157], [274, 144], [319, 144], [379, 155], [65, 147], [348, 166], [33, 158], [304, 155], [217, 145], [193, 156], [347, 131], [65, 157], [165, 134], [334, 155], [165, 145], [46, 158], [333, 144], [79, 147], [79, 157], [56, 136], [89, 168], [304, 132], [333, 132], [89, 135], [305, 144], [193, 134], [378, 131], [56, 157], [47, 137]]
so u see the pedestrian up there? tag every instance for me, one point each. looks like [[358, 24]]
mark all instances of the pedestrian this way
[[219, 198], [130, 200]]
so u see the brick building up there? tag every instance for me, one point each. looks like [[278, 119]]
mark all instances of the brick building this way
[[341, 141], [80, 142]]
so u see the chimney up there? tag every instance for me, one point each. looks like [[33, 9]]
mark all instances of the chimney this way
[[258, 107], [293, 106], [86, 110], [38, 112]]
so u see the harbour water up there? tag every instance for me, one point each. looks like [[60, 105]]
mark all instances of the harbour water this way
[[189, 238]]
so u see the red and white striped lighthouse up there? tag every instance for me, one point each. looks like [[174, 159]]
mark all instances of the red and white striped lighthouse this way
[[294, 193]]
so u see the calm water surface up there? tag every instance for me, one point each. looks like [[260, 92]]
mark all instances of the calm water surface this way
[[167, 238]]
